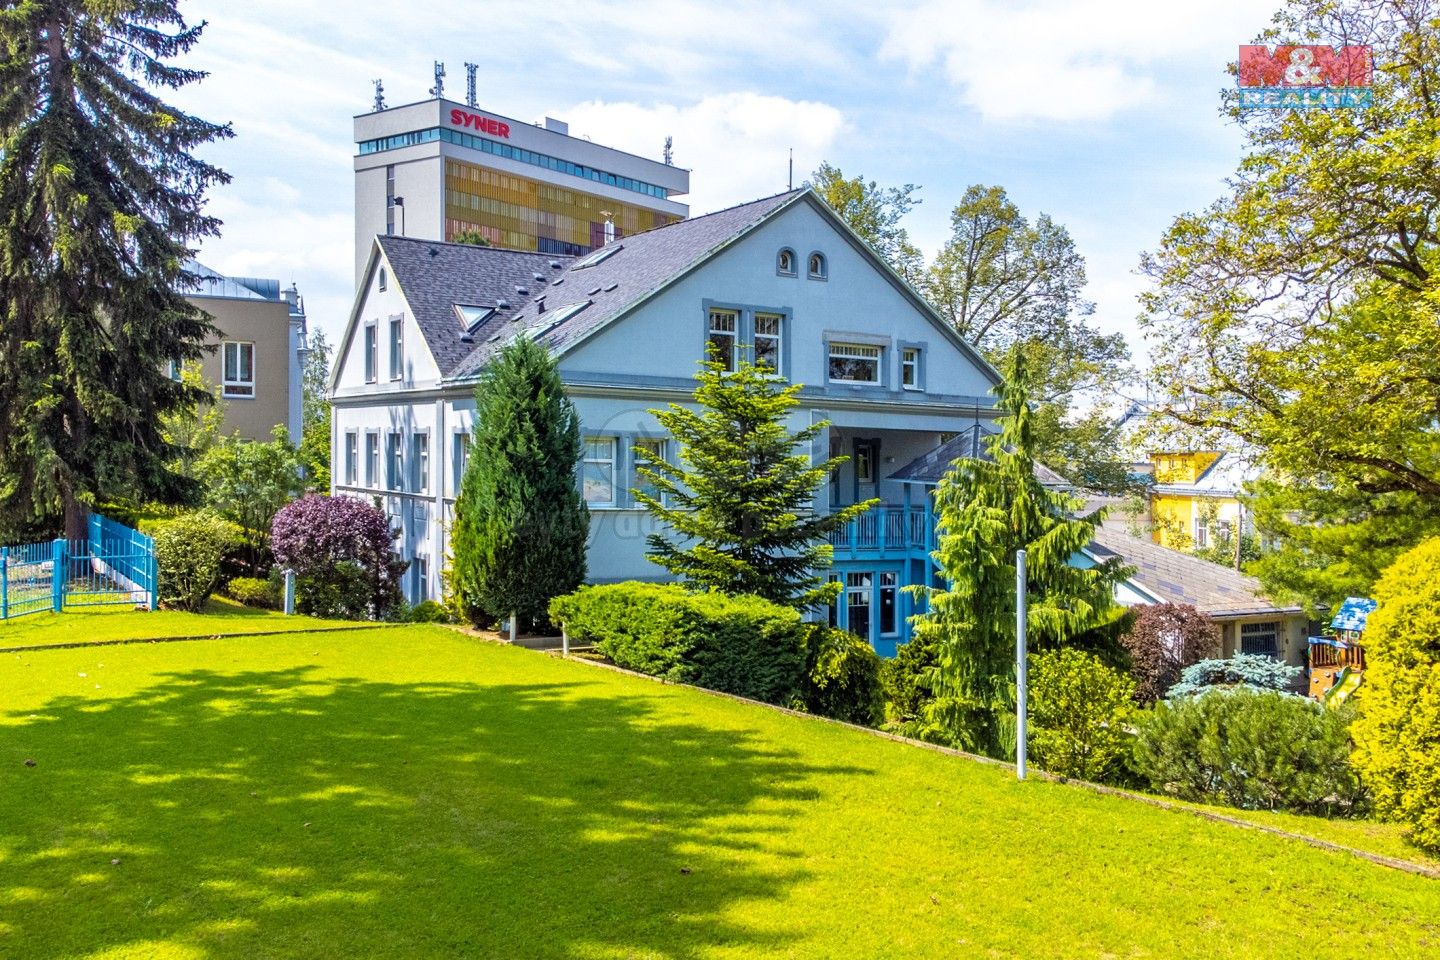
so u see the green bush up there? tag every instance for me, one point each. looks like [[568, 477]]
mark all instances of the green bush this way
[[428, 611], [842, 677], [254, 592], [1080, 715], [1253, 671], [1253, 749], [188, 551], [741, 645], [1397, 735]]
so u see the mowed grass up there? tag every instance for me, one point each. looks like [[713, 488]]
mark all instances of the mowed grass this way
[[413, 792], [119, 622]]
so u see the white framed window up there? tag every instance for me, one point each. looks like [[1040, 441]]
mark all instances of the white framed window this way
[[723, 335], [819, 270], [372, 353], [785, 262], [597, 478], [1223, 529], [889, 604], [239, 369], [460, 457], [648, 452], [422, 578], [768, 327], [910, 368], [394, 461], [858, 588], [855, 363], [1261, 638], [352, 457], [1202, 533], [372, 459], [397, 348], [420, 461]]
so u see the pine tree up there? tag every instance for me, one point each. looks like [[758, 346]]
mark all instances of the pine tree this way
[[520, 523], [742, 497], [987, 510], [99, 197]]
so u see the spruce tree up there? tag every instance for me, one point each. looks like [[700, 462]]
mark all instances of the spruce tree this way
[[520, 522], [742, 497], [99, 197], [987, 510]]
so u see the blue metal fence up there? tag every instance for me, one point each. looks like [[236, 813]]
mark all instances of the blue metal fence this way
[[113, 565]]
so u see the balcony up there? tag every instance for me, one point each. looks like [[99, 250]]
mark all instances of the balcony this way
[[886, 532]]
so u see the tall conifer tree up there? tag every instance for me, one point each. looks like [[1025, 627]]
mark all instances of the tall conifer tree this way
[[99, 197], [987, 510], [742, 497], [520, 522]]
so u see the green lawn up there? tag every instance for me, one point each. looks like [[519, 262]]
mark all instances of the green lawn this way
[[91, 624], [412, 792]]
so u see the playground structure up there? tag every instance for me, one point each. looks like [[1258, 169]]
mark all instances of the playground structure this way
[[1337, 663], [113, 565]]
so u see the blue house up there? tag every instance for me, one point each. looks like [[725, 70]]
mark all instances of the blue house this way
[[781, 279]]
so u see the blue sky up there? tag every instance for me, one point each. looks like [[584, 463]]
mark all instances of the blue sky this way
[[1102, 113]]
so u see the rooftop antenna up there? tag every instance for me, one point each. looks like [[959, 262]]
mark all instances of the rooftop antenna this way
[[790, 185], [669, 151], [438, 91], [470, 69], [379, 95]]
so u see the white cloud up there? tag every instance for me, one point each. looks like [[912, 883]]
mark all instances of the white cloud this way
[[1069, 60], [736, 144]]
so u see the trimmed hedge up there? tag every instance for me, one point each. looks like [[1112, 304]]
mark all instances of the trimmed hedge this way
[[741, 645], [254, 592]]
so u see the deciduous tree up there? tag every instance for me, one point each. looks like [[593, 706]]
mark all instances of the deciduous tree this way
[[874, 212]]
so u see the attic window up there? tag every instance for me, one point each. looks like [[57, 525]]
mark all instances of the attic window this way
[[384, 279], [610, 287], [591, 293], [564, 313], [599, 256], [472, 316]]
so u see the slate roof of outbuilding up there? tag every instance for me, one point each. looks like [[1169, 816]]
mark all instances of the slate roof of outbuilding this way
[[1175, 577], [435, 276]]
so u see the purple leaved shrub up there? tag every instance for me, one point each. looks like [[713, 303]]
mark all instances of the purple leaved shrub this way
[[340, 550]]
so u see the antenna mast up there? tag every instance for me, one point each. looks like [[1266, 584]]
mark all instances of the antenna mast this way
[[669, 151], [791, 182], [470, 69], [438, 91], [379, 95]]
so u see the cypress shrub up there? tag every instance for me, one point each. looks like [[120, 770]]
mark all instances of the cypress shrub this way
[[520, 522]]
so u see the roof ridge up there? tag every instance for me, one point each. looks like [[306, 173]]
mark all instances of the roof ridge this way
[[712, 213], [389, 238]]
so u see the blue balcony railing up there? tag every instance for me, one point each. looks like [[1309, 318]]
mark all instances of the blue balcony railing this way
[[885, 531]]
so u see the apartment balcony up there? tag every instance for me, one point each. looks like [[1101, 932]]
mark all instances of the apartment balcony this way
[[886, 532]]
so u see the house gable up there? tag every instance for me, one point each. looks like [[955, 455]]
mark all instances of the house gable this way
[[376, 309]]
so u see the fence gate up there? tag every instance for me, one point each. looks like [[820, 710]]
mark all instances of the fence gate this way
[[112, 565]]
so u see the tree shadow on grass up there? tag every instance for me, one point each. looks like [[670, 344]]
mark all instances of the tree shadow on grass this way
[[286, 814]]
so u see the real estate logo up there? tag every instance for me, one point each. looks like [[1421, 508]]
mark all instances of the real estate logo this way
[[1305, 77]]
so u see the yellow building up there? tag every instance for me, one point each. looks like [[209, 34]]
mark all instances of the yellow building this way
[[1195, 498]]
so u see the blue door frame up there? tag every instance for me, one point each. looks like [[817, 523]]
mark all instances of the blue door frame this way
[[848, 572]]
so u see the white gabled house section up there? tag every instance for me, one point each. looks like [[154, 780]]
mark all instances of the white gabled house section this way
[[378, 309]]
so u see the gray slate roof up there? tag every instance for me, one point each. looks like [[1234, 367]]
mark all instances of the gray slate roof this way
[[930, 466], [436, 276], [1177, 577]]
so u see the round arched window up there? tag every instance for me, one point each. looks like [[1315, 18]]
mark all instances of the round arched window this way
[[785, 262], [817, 266]]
